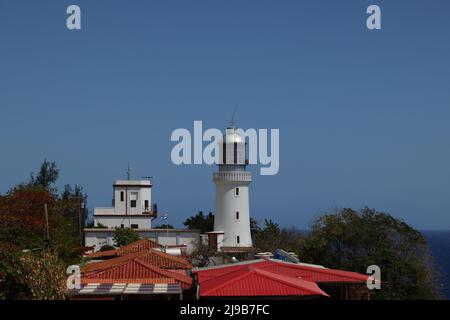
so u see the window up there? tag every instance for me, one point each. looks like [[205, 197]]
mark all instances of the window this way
[[236, 192], [235, 153], [133, 199], [121, 196], [146, 204], [224, 155], [238, 240], [134, 226], [237, 215], [122, 226]]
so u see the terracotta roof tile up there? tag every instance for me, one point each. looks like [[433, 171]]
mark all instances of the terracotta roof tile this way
[[137, 246], [150, 257], [135, 271]]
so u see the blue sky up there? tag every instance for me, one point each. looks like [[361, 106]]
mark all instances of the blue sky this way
[[363, 115]]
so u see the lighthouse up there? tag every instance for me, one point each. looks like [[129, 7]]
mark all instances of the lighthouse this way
[[232, 212]]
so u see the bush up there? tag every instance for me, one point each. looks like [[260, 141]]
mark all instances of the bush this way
[[124, 236]]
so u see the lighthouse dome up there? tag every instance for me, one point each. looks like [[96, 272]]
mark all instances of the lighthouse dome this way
[[232, 135], [232, 147]]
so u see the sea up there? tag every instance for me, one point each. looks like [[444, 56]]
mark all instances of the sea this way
[[439, 243]]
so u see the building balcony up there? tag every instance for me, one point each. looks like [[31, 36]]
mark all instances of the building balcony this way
[[233, 176], [150, 212]]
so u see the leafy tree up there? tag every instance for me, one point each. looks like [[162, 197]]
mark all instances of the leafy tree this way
[[47, 176], [164, 226], [353, 240], [124, 236], [42, 274], [74, 209], [272, 237], [23, 228], [201, 222], [32, 275]]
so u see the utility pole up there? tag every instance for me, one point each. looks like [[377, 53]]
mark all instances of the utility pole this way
[[80, 232], [47, 232]]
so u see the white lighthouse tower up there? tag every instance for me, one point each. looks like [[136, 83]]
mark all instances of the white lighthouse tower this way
[[232, 214]]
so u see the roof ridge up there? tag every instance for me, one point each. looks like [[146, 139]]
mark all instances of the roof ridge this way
[[225, 283], [163, 272], [109, 263], [169, 256], [350, 274], [242, 264], [289, 281]]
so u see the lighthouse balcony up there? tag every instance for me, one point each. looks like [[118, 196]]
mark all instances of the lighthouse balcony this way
[[233, 176]]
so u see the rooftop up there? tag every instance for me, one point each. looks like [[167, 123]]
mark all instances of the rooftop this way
[[137, 246], [137, 183], [150, 256], [271, 278]]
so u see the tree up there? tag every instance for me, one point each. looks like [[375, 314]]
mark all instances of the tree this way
[[23, 228], [32, 275], [200, 222], [353, 240], [272, 237], [124, 236], [48, 174]]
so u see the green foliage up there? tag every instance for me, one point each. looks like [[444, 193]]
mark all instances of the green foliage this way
[[99, 226], [353, 240], [272, 237], [124, 236], [23, 229], [37, 275], [48, 174], [200, 222]]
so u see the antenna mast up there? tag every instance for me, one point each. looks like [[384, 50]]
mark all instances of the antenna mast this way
[[129, 171], [232, 122]]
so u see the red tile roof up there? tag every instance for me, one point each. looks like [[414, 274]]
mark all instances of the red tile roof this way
[[137, 246], [251, 282], [270, 278], [136, 271], [151, 257], [300, 271], [319, 275]]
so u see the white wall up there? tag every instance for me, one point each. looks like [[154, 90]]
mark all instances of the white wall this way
[[122, 207], [100, 237], [143, 222], [227, 204]]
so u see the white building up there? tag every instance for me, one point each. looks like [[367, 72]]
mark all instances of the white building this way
[[132, 206], [232, 213], [189, 239]]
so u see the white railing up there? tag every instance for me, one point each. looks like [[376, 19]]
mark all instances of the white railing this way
[[233, 176]]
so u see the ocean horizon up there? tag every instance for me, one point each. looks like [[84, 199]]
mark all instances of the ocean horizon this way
[[439, 243]]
